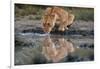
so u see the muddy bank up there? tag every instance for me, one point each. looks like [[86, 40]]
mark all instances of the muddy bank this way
[[79, 27]]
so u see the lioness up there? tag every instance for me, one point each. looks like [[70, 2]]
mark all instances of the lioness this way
[[52, 15]]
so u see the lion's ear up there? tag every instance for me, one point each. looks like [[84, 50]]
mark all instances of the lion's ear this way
[[48, 8]]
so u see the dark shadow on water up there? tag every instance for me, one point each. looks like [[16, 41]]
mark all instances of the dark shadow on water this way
[[66, 32]]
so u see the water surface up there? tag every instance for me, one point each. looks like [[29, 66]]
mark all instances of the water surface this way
[[34, 48]]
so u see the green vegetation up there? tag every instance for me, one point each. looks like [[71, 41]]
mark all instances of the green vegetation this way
[[24, 10], [37, 11], [84, 14]]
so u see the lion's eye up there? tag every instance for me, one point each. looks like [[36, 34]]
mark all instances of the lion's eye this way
[[52, 15], [49, 24]]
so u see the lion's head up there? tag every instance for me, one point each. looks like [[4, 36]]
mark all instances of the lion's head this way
[[48, 22]]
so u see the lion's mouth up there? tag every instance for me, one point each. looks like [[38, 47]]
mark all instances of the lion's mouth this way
[[47, 30]]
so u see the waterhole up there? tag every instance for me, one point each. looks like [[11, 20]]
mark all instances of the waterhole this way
[[41, 48]]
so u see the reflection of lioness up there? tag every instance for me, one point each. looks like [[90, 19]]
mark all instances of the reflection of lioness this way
[[52, 15], [56, 49]]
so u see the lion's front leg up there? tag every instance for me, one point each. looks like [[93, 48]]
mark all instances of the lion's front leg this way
[[63, 26]]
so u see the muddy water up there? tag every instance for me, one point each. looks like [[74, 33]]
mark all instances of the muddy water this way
[[35, 48]]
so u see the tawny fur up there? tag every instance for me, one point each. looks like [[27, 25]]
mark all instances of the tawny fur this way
[[52, 15]]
